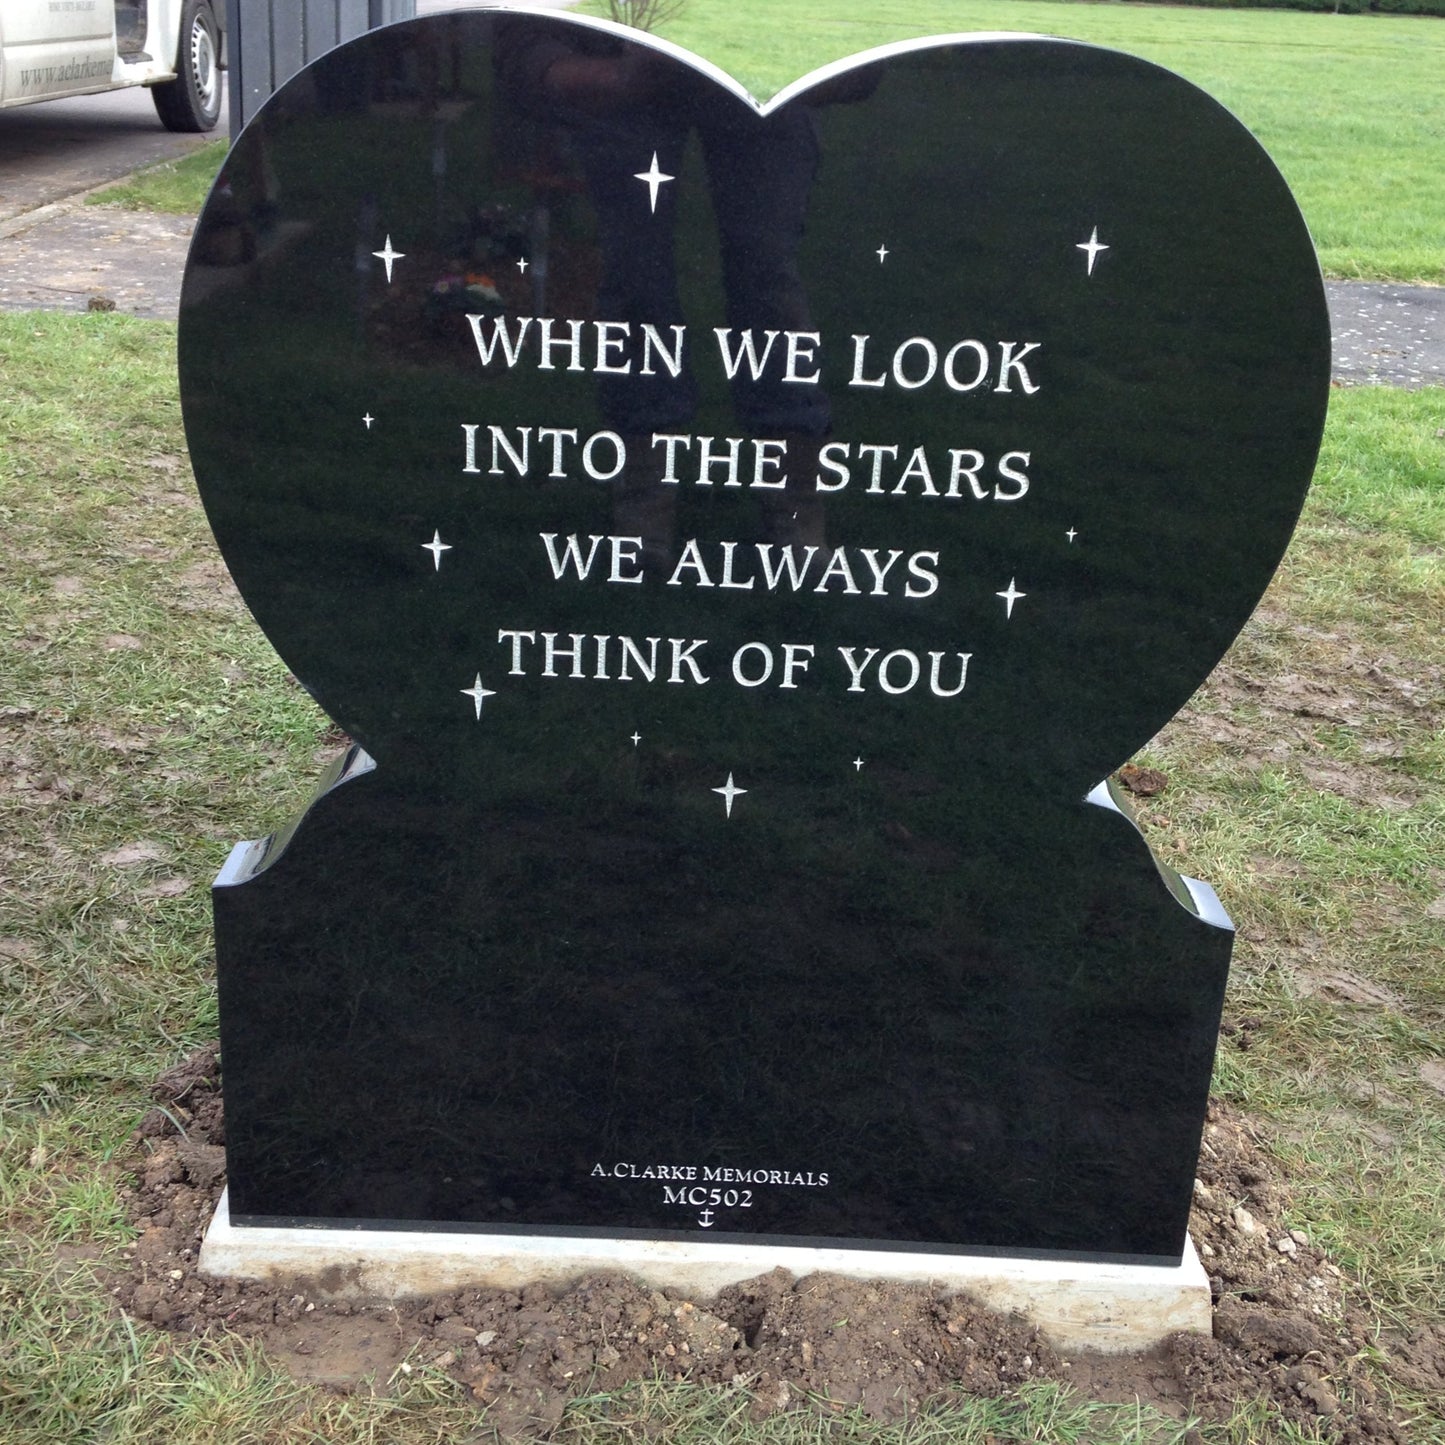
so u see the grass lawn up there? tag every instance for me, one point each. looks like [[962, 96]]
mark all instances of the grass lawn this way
[[178, 187], [1350, 106], [145, 725]]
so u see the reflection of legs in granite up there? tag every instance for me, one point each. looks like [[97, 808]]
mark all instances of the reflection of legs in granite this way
[[761, 174], [639, 270], [637, 239], [643, 505], [793, 515]]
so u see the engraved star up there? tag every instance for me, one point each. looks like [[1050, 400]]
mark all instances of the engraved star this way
[[1071, 534], [730, 791], [654, 178], [1010, 597], [436, 547], [636, 738], [858, 764], [1093, 246], [389, 256], [881, 253], [368, 419], [522, 264], [478, 694]]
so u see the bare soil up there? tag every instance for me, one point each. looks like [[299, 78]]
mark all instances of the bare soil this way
[[1286, 1325]]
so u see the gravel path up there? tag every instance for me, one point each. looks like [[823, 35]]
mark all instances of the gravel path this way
[[60, 257], [1387, 334], [71, 257]]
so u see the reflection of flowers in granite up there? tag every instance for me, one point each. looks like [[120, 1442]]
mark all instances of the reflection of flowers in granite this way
[[492, 236], [464, 291]]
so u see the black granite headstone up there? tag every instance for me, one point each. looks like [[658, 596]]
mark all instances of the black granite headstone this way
[[739, 542]]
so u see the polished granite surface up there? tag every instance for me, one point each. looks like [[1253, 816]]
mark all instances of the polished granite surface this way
[[739, 543]]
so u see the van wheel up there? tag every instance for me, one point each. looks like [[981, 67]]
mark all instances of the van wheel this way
[[192, 101]]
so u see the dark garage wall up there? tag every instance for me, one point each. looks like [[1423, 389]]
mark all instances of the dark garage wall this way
[[270, 40]]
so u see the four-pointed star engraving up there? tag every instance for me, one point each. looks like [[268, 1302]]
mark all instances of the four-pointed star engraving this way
[[654, 178], [389, 256], [478, 694], [730, 793], [1092, 247], [436, 547], [1010, 596]]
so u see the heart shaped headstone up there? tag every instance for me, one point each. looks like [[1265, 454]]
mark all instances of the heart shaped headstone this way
[[739, 538]]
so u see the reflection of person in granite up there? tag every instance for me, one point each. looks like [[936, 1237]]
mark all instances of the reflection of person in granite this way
[[627, 112]]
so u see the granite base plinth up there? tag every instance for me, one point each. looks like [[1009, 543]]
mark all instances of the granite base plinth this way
[[1111, 1308]]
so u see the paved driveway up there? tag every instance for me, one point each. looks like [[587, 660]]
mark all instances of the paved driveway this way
[[62, 147]]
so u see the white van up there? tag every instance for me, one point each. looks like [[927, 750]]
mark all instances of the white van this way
[[51, 48]]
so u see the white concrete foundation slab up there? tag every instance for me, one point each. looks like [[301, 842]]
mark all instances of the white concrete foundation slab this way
[[1079, 1306]]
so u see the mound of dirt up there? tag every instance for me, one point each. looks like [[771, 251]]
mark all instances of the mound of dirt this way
[[1285, 1326]]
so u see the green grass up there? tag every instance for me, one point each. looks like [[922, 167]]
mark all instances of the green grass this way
[[177, 187], [1350, 106], [142, 706], [1383, 464], [1307, 790]]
